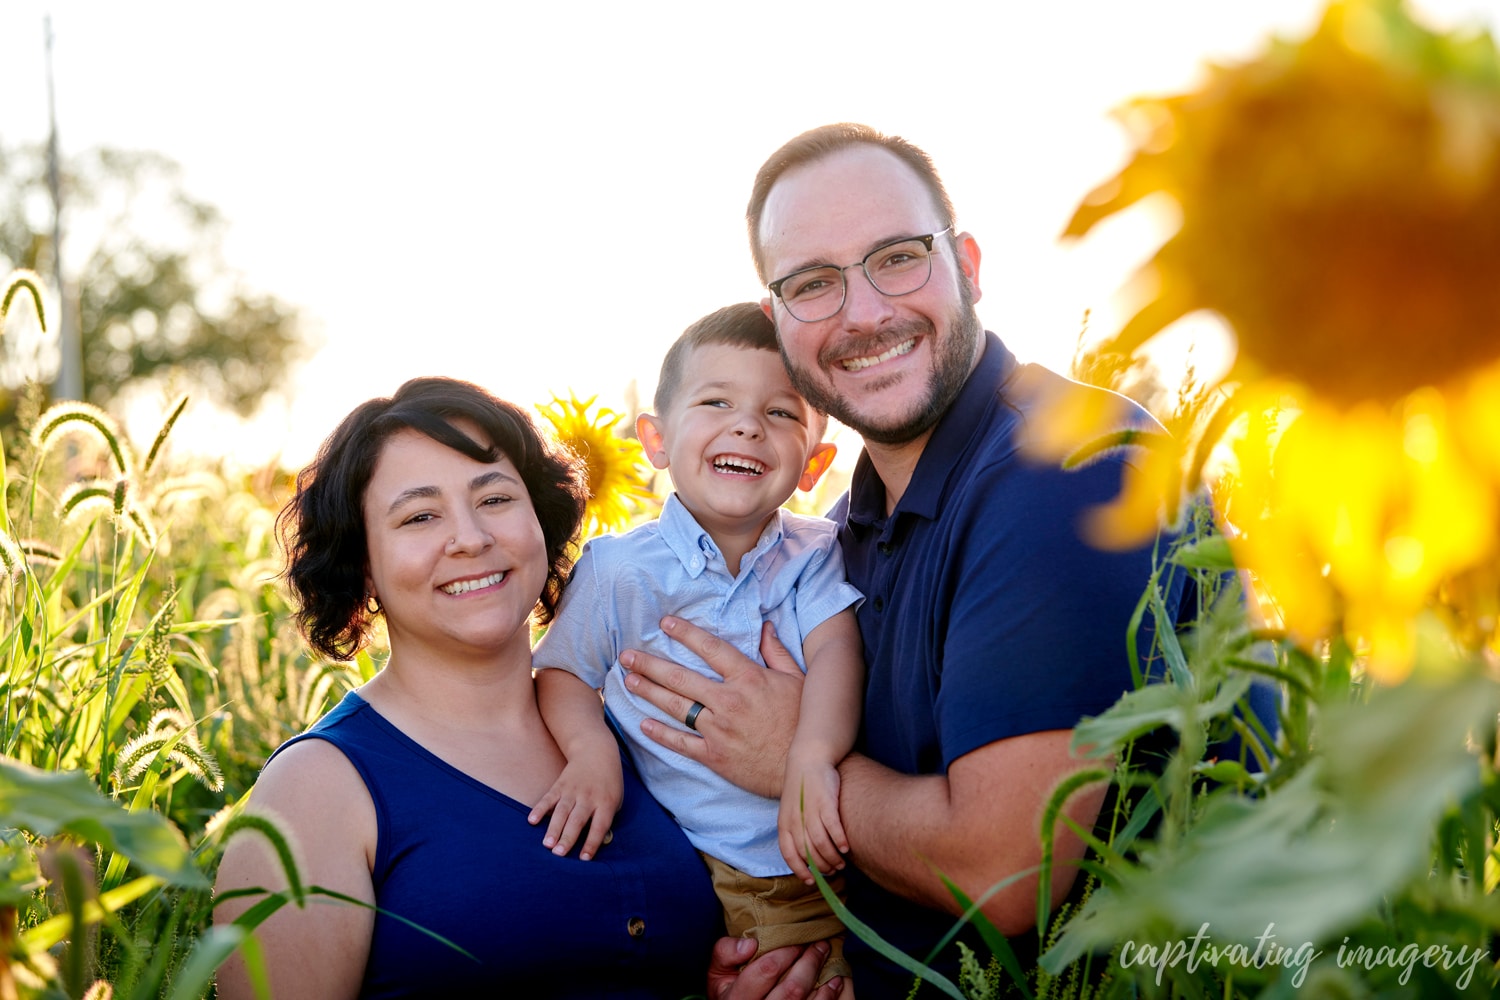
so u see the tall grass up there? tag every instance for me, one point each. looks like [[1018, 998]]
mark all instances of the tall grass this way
[[147, 668]]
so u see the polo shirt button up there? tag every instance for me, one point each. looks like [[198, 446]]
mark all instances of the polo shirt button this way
[[879, 604], [886, 548], [637, 927]]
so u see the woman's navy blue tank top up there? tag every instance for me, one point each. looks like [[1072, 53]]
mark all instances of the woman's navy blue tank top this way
[[459, 859]]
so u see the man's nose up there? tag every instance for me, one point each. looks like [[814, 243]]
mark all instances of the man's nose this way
[[865, 306]]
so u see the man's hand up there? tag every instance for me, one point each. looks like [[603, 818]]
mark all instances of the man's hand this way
[[588, 792], [748, 719], [783, 974]]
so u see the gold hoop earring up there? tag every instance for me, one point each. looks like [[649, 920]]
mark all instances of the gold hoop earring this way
[[372, 604]]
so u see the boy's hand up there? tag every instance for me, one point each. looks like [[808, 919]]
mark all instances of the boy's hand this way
[[588, 792], [809, 818]]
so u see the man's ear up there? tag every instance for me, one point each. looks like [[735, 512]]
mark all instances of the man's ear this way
[[765, 307], [817, 464], [648, 430], [968, 261]]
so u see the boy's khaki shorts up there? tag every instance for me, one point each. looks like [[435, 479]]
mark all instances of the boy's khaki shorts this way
[[779, 910]]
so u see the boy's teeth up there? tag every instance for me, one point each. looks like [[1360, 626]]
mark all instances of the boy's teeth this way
[[742, 466], [464, 586], [855, 364]]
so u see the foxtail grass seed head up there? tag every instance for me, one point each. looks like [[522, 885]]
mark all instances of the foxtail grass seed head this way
[[12, 557], [22, 280], [169, 732], [85, 419]]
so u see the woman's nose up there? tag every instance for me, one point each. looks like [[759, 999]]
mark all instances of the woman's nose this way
[[471, 536]]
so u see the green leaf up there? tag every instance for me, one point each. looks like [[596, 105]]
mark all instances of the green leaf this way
[[1139, 712], [1211, 553], [1324, 850], [47, 803]]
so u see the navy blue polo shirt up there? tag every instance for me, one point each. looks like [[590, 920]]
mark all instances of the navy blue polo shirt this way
[[986, 615]]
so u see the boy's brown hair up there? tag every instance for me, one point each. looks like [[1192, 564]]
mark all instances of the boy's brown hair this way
[[743, 324]]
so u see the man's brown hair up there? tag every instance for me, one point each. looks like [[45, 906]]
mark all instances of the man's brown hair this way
[[814, 145]]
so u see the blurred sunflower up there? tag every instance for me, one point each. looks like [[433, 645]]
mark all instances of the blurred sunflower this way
[[1340, 202], [619, 478]]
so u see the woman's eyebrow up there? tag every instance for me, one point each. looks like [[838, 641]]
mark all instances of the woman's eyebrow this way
[[427, 492], [490, 478], [415, 493]]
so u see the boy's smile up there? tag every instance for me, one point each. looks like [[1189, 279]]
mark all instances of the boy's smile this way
[[737, 439]]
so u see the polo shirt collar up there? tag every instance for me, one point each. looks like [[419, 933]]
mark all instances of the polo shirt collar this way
[[950, 439], [695, 548]]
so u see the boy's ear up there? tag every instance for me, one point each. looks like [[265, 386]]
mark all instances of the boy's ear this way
[[817, 464], [648, 430]]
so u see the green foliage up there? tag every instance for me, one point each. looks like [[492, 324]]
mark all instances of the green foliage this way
[[1351, 854], [147, 668], [155, 302]]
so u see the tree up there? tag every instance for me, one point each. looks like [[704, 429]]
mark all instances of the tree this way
[[150, 291]]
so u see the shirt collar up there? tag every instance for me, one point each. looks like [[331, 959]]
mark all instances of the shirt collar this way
[[950, 439], [695, 548]]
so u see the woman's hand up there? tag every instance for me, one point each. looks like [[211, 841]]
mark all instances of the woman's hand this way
[[783, 974], [748, 719]]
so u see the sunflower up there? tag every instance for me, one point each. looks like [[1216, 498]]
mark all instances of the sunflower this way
[[1340, 201], [619, 478]]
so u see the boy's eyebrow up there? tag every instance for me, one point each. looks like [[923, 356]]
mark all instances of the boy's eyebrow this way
[[427, 492], [718, 383]]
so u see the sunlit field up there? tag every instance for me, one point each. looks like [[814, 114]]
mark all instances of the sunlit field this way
[[1336, 494]]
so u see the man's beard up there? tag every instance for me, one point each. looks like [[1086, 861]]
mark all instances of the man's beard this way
[[953, 359]]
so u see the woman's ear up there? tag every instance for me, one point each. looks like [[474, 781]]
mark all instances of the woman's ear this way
[[817, 464], [648, 430]]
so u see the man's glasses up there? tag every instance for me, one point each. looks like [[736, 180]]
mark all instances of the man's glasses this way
[[899, 268]]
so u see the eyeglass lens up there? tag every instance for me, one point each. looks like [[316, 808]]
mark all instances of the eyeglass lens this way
[[818, 292]]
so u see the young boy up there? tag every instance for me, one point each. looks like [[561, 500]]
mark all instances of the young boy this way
[[738, 440]]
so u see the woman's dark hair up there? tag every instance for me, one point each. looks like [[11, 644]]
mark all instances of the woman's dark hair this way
[[322, 527]]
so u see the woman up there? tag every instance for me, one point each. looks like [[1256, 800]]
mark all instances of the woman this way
[[443, 512]]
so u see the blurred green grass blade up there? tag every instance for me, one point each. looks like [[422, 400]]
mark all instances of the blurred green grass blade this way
[[50, 932], [867, 934], [214, 946], [999, 947]]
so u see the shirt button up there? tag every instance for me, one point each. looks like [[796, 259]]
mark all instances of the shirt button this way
[[886, 548], [879, 604], [636, 926]]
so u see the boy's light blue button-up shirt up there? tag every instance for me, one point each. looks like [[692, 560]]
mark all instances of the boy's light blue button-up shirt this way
[[615, 600]]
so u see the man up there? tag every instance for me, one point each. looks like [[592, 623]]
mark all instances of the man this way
[[990, 627]]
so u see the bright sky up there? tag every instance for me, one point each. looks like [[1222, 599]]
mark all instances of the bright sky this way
[[539, 197]]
